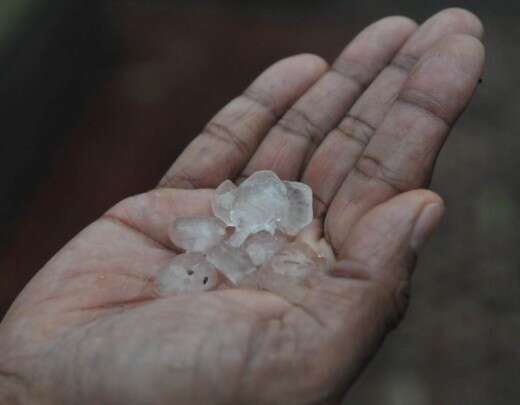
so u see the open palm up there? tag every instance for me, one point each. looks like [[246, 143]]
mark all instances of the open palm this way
[[364, 134]]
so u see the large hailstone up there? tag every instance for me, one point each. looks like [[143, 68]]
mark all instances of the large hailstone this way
[[260, 204], [263, 203], [264, 214]]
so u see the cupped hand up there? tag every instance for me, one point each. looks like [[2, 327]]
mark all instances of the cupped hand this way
[[364, 133]]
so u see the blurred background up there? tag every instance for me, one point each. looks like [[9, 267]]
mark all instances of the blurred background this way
[[99, 97]]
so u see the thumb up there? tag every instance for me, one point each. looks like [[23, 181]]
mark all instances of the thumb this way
[[382, 247], [385, 242], [342, 317], [379, 255], [367, 294]]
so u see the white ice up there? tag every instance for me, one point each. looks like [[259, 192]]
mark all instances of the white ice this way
[[247, 240], [261, 204], [197, 234], [223, 201], [296, 260], [231, 261], [189, 272], [262, 246], [288, 272], [299, 214]]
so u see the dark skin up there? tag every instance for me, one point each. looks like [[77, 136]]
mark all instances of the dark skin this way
[[364, 133]]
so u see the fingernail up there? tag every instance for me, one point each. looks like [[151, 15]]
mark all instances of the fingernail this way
[[426, 224]]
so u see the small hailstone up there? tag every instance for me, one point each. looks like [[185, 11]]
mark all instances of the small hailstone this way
[[287, 273], [300, 213], [223, 200], [233, 262], [262, 246], [197, 234], [296, 260], [189, 272], [292, 289]]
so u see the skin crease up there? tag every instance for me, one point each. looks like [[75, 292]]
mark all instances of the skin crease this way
[[364, 134]]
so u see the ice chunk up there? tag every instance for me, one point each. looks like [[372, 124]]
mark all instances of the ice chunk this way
[[312, 236], [266, 214], [231, 261], [290, 289], [262, 246], [223, 201], [300, 213], [261, 204], [288, 274], [238, 238], [189, 272], [197, 234], [297, 260]]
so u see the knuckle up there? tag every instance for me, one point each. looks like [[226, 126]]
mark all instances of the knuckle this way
[[373, 169], [426, 103], [356, 73], [262, 100], [181, 180], [297, 122], [224, 133], [357, 129], [405, 62]]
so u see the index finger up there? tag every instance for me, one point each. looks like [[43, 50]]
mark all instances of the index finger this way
[[232, 136]]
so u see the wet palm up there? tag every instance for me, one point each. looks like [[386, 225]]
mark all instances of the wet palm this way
[[363, 134]]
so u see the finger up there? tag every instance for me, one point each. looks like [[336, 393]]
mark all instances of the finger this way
[[402, 152], [226, 144], [342, 147], [380, 253], [374, 244], [301, 129]]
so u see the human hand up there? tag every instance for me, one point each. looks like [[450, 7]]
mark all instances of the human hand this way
[[364, 134]]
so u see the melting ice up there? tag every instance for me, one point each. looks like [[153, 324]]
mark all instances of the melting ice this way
[[253, 228]]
